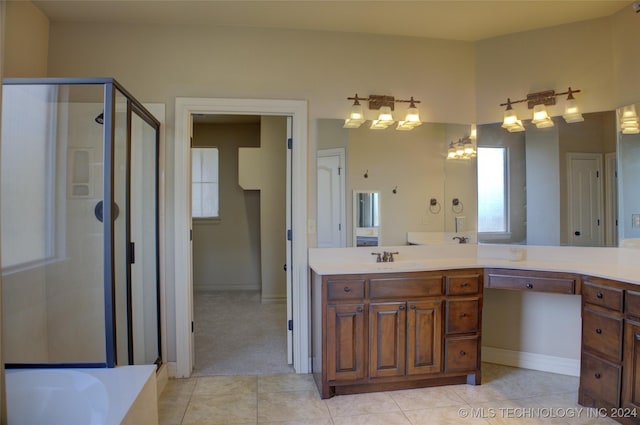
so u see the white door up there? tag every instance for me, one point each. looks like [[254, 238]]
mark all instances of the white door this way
[[289, 238], [331, 200], [585, 205]]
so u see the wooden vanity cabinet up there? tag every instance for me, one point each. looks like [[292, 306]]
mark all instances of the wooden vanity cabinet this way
[[386, 331], [610, 360]]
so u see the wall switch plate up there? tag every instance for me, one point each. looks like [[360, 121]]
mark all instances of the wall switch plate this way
[[635, 220]]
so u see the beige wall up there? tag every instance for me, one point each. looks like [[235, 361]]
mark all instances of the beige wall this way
[[457, 82], [226, 252], [27, 40]]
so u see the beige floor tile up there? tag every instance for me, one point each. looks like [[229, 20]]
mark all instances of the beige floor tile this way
[[174, 400], [287, 406], [445, 416], [322, 421], [361, 404], [223, 385], [424, 398], [285, 382], [221, 410], [394, 418]]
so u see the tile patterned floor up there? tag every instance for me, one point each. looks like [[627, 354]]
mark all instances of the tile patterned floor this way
[[507, 396]]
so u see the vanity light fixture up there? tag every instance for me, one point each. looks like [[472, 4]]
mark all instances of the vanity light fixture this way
[[462, 149], [385, 105], [629, 120], [539, 102]]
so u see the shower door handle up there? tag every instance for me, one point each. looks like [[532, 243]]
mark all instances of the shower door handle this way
[[132, 252]]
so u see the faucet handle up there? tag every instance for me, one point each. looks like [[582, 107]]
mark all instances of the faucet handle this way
[[391, 260], [379, 259]]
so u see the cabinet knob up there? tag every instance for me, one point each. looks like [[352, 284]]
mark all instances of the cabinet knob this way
[[401, 307], [359, 309], [462, 353], [597, 375], [598, 331], [529, 285], [463, 314], [413, 307], [599, 295], [347, 289], [464, 284]]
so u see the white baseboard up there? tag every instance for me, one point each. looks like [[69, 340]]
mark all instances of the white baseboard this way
[[172, 369], [226, 287], [542, 362], [273, 300]]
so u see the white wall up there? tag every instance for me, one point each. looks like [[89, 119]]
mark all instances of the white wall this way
[[27, 40]]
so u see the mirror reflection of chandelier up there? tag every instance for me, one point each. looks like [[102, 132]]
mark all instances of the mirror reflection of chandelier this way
[[464, 148]]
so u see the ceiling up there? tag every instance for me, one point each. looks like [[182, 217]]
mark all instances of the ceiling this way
[[470, 20]]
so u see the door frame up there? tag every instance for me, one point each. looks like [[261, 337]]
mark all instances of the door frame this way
[[184, 109], [611, 198]]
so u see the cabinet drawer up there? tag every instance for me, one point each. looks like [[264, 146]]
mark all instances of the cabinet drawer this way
[[531, 282], [345, 289], [633, 303], [603, 296], [600, 379], [602, 333], [462, 285], [462, 315], [407, 287], [461, 354]]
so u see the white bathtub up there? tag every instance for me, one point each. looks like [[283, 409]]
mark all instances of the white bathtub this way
[[82, 396]]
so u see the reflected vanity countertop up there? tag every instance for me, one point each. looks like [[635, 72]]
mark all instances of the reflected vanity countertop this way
[[610, 263]]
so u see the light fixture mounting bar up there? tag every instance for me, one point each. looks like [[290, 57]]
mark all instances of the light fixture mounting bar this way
[[547, 98], [377, 101]]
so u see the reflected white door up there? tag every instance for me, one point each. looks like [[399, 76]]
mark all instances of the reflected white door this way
[[585, 206], [331, 200], [611, 199], [289, 238]]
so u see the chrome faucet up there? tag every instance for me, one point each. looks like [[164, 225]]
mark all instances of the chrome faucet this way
[[385, 256], [461, 239]]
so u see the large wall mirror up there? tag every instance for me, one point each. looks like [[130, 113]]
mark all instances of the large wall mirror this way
[[629, 176], [414, 183], [559, 185]]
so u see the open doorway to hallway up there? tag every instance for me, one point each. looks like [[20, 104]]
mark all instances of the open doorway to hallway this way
[[239, 247]]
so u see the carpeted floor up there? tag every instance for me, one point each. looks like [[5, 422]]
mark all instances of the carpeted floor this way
[[235, 334]]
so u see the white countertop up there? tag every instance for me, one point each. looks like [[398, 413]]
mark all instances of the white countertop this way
[[622, 264]]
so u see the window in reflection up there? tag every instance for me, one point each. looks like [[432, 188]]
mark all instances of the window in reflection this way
[[492, 190]]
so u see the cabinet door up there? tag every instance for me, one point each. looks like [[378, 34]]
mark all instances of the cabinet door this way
[[345, 342], [387, 336], [424, 337], [631, 368]]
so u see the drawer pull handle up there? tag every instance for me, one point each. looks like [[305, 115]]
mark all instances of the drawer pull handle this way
[[359, 309], [401, 308], [599, 295], [463, 314], [529, 285], [462, 353], [598, 331], [597, 375], [464, 284], [347, 289]]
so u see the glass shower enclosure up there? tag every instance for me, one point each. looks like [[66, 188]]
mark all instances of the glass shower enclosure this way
[[78, 225]]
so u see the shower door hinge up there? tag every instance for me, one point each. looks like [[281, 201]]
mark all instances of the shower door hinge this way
[[192, 327], [290, 325], [190, 234], [289, 143], [132, 252]]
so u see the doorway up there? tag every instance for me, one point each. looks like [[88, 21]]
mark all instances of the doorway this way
[[239, 208], [297, 293]]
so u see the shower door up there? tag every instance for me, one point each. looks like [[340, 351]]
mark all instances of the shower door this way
[[137, 320], [143, 288]]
